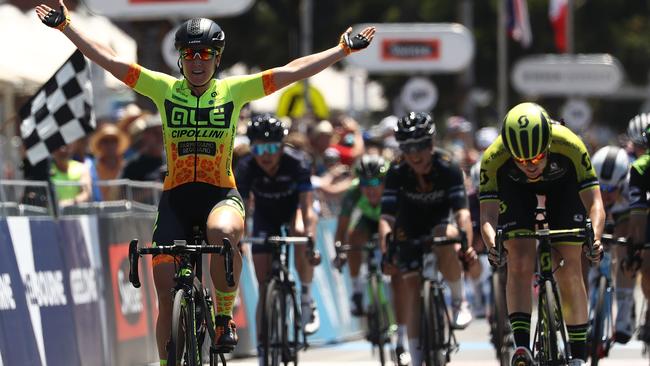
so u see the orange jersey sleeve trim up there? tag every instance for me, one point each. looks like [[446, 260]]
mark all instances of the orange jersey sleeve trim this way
[[132, 75], [269, 83]]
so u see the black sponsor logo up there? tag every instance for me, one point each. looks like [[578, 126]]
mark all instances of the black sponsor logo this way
[[483, 177], [586, 162], [523, 121], [179, 116], [197, 147]]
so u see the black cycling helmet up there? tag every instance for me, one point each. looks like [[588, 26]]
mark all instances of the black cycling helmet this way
[[645, 136], [371, 166], [200, 32], [413, 127], [266, 127]]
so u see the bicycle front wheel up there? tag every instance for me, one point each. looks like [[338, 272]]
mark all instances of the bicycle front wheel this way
[[272, 324], [548, 337], [434, 326], [183, 345], [598, 324]]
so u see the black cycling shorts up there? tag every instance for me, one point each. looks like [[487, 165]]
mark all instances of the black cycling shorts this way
[[564, 208], [186, 206], [410, 226]]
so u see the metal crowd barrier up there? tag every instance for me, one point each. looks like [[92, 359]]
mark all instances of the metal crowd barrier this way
[[38, 198]]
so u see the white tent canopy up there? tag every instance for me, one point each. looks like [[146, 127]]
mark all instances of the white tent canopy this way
[[35, 52]]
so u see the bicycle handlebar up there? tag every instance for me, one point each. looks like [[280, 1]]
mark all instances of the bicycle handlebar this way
[[276, 240], [429, 241], [612, 240], [135, 253], [586, 233]]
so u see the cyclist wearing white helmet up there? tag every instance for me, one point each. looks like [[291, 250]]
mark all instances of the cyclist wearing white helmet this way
[[612, 166]]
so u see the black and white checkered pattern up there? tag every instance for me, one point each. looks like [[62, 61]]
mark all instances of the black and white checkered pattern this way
[[60, 112]]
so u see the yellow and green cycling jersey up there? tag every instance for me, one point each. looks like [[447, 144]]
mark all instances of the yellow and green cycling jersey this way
[[199, 131], [567, 162]]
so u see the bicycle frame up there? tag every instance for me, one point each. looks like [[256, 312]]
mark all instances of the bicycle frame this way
[[280, 277], [547, 325]]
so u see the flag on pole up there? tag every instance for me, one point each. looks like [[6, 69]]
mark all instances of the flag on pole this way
[[557, 14], [60, 112], [519, 22]]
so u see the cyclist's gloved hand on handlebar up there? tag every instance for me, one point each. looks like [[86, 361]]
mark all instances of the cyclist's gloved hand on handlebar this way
[[313, 255], [596, 254], [58, 19], [340, 259], [493, 257], [467, 257]]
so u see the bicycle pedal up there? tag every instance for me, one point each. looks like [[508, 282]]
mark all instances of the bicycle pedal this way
[[221, 349]]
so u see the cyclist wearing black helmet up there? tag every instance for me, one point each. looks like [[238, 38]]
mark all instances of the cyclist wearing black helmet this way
[[534, 156], [421, 193], [199, 115], [278, 177], [359, 217]]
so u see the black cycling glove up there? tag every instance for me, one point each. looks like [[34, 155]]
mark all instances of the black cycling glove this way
[[58, 19], [353, 44]]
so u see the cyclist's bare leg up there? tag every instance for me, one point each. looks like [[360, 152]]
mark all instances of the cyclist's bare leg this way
[[573, 296], [400, 306], [305, 270], [262, 264], [448, 262], [163, 278], [569, 280], [225, 222], [521, 264], [624, 288], [645, 273], [357, 238]]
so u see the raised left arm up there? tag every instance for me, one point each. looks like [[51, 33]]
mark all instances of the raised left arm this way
[[310, 65]]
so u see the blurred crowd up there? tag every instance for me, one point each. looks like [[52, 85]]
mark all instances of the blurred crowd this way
[[130, 146]]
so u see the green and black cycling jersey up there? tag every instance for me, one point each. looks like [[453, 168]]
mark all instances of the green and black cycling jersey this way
[[639, 183], [355, 200], [568, 163]]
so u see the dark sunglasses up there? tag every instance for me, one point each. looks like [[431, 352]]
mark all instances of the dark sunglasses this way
[[205, 54], [372, 182], [270, 148], [417, 146], [534, 161]]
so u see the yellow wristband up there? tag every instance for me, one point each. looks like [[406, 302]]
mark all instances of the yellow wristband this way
[[62, 26]]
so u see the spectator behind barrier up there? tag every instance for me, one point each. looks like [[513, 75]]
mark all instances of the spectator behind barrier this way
[[320, 138], [108, 145], [148, 164], [348, 139], [66, 170]]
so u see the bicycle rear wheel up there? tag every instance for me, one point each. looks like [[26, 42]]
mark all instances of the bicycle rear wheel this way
[[272, 327], [501, 334], [598, 340], [183, 345]]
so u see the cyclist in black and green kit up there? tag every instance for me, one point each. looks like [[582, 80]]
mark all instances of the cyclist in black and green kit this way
[[535, 156], [359, 218], [199, 115]]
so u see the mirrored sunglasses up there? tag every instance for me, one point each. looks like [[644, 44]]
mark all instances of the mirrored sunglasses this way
[[372, 182], [412, 147], [534, 161], [270, 148], [205, 54]]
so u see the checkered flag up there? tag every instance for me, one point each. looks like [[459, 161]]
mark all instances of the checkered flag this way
[[60, 112]]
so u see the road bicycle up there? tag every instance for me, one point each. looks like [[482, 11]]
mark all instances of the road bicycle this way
[[600, 305], [379, 314], [550, 322], [437, 339], [193, 309], [282, 334]]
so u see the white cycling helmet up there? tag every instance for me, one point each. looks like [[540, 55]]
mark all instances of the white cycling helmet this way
[[611, 164], [635, 128]]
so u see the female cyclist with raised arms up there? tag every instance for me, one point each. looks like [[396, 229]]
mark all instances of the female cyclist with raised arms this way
[[199, 115]]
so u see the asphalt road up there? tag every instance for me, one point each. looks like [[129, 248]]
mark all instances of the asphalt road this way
[[475, 349]]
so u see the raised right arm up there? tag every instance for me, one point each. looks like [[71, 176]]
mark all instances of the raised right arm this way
[[98, 53]]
